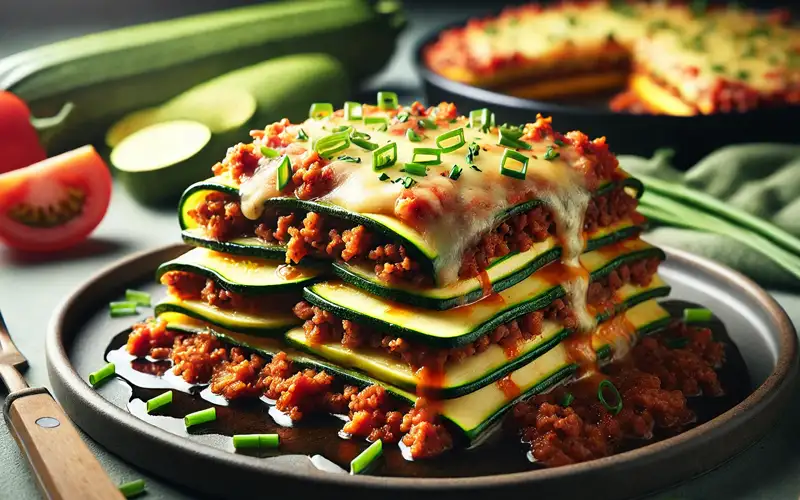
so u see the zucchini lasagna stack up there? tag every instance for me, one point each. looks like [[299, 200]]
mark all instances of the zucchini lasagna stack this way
[[417, 270]]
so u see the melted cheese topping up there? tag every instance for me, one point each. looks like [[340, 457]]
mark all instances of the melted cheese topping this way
[[691, 51]]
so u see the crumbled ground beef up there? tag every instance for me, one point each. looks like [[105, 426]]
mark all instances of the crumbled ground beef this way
[[322, 326], [150, 337], [190, 286], [195, 356], [237, 376], [319, 236], [654, 381]]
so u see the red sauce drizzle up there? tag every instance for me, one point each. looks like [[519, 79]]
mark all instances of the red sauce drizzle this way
[[509, 387], [486, 283]]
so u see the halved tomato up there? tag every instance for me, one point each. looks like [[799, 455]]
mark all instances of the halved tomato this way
[[56, 203]]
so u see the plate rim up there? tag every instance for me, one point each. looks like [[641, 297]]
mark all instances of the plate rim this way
[[772, 394]]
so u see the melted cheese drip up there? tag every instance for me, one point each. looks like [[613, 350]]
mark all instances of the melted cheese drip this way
[[664, 39], [461, 211]]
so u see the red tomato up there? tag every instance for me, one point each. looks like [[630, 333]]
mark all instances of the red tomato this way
[[19, 141], [55, 203]]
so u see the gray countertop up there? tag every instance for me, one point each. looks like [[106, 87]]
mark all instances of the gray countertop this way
[[32, 287]]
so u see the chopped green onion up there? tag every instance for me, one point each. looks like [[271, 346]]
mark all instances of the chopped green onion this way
[[413, 136], [352, 111], [159, 401], [479, 118], [132, 488], [435, 153], [428, 124], [361, 140], [697, 315], [382, 121], [331, 144], [406, 181], [676, 343], [558, 142], [473, 151], [102, 374], [367, 458], [616, 407], [383, 177], [510, 139], [301, 135], [256, 441], [125, 308], [384, 156], [743, 75], [403, 116], [284, 173], [511, 131], [200, 417], [551, 154], [141, 298], [718, 68], [567, 399], [350, 159], [508, 155], [447, 136], [473, 167], [320, 110], [416, 169], [341, 128], [455, 172], [387, 100], [269, 152]]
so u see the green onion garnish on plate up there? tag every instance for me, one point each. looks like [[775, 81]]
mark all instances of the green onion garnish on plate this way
[[284, 173], [455, 172], [367, 458], [269, 152], [157, 402], [480, 118], [352, 111], [567, 399], [415, 169], [697, 315], [387, 100], [513, 156], [451, 141], [613, 408], [122, 308], [428, 124], [385, 156], [350, 159], [551, 154], [510, 139], [413, 136], [320, 110], [301, 135], [132, 488], [376, 120], [200, 417], [140, 298], [362, 140], [331, 144], [383, 177], [241, 441], [433, 155], [102, 374]]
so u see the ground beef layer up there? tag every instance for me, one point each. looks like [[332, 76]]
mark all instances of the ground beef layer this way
[[322, 326], [235, 373], [654, 381], [312, 234]]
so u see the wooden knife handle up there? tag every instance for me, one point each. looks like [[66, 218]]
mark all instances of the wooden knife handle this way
[[65, 468]]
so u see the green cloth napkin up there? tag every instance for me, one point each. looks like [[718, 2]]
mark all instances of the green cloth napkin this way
[[760, 179]]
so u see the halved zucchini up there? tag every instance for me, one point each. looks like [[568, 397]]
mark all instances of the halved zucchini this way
[[475, 412], [246, 275], [274, 322], [459, 326], [473, 372], [502, 273], [417, 246]]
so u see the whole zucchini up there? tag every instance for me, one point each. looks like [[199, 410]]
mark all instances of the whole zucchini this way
[[109, 74]]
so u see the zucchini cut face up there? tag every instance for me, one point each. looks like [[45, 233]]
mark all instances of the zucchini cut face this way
[[265, 323], [416, 244], [471, 373], [462, 325], [246, 275], [477, 411]]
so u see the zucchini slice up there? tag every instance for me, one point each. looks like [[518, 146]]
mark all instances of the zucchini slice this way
[[462, 325], [246, 275], [268, 323], [477, 411], [415, 243], [503, 273], [474, 372]]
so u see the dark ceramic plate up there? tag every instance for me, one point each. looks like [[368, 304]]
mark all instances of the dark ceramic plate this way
[[691, 137], [81, 329]]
